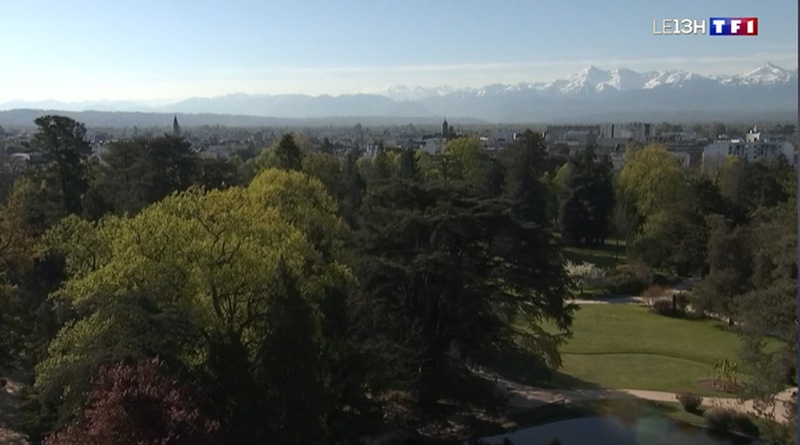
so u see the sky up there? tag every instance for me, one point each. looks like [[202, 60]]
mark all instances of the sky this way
[[163, 50]]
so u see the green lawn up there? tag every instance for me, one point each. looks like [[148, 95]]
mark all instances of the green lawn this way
[[638, 371], [627, 346]]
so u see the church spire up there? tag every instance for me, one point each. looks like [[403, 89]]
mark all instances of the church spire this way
[[445, 129], [176, 128]]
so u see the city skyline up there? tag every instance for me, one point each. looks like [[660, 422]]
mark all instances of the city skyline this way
[[156, 51]]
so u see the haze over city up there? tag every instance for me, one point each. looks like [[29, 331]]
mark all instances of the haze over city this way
[[151, 51]]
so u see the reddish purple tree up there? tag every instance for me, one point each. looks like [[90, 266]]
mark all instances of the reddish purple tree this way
[[140, 404]]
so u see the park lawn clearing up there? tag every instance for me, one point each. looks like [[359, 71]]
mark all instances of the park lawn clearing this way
[[639, 371], [607, 256], [634, 329], [628, 347]]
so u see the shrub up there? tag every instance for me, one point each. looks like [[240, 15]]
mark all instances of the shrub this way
[[583, 274], [663, 307], [725, 375], [682, 300], [689, 401], [728, 420], [628, 279], [139, 404], [653, 294]]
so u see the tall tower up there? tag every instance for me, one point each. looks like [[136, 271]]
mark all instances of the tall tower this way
[[445, 129], [176, 129]]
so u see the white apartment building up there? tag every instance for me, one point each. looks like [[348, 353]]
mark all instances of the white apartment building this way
[[755, 146]]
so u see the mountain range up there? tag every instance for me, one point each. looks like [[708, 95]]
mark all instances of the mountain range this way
[[591, 95]]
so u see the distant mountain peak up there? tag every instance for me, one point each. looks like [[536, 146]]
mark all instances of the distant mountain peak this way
[[591, 69], [591, 72], [774, 66], [768, 74]]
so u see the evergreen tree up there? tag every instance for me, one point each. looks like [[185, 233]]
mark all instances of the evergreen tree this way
[[729, 268], [525, 166], [407, 168], [444, 274], [140, 172], [327, 147], [588, 199], [493, 178], [287, 154], [63, 143]]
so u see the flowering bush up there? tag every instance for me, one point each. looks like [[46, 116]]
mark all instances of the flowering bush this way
[[139, 404]]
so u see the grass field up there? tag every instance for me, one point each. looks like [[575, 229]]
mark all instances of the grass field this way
[[626, 346]]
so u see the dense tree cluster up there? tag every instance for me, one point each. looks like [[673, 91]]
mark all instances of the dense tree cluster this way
[[301, 297], [285, 299]]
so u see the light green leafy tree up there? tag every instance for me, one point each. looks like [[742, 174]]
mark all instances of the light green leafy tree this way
[[654, 179], [204, 271], [468, 159]]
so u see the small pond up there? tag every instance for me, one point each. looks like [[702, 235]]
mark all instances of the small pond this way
[[610, 430]]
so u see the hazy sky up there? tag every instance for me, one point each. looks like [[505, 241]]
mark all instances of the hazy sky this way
[[171, 49]]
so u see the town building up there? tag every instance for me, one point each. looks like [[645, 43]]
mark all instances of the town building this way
[[433, 145], [755, 146], [571, 135], [635, 131]]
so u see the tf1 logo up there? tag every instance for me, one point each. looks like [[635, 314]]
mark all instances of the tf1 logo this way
[[726, 26], [716, 26]]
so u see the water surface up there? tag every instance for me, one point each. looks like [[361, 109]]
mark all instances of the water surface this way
[[600, 430]]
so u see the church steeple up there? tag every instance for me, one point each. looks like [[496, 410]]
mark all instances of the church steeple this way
[[176, 129], [445, 129]]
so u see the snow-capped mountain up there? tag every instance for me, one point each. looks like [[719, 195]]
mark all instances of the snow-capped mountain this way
[[590, 95], [403, 93], [594, 94], [677, 79], [592, 80], [768, 74]]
